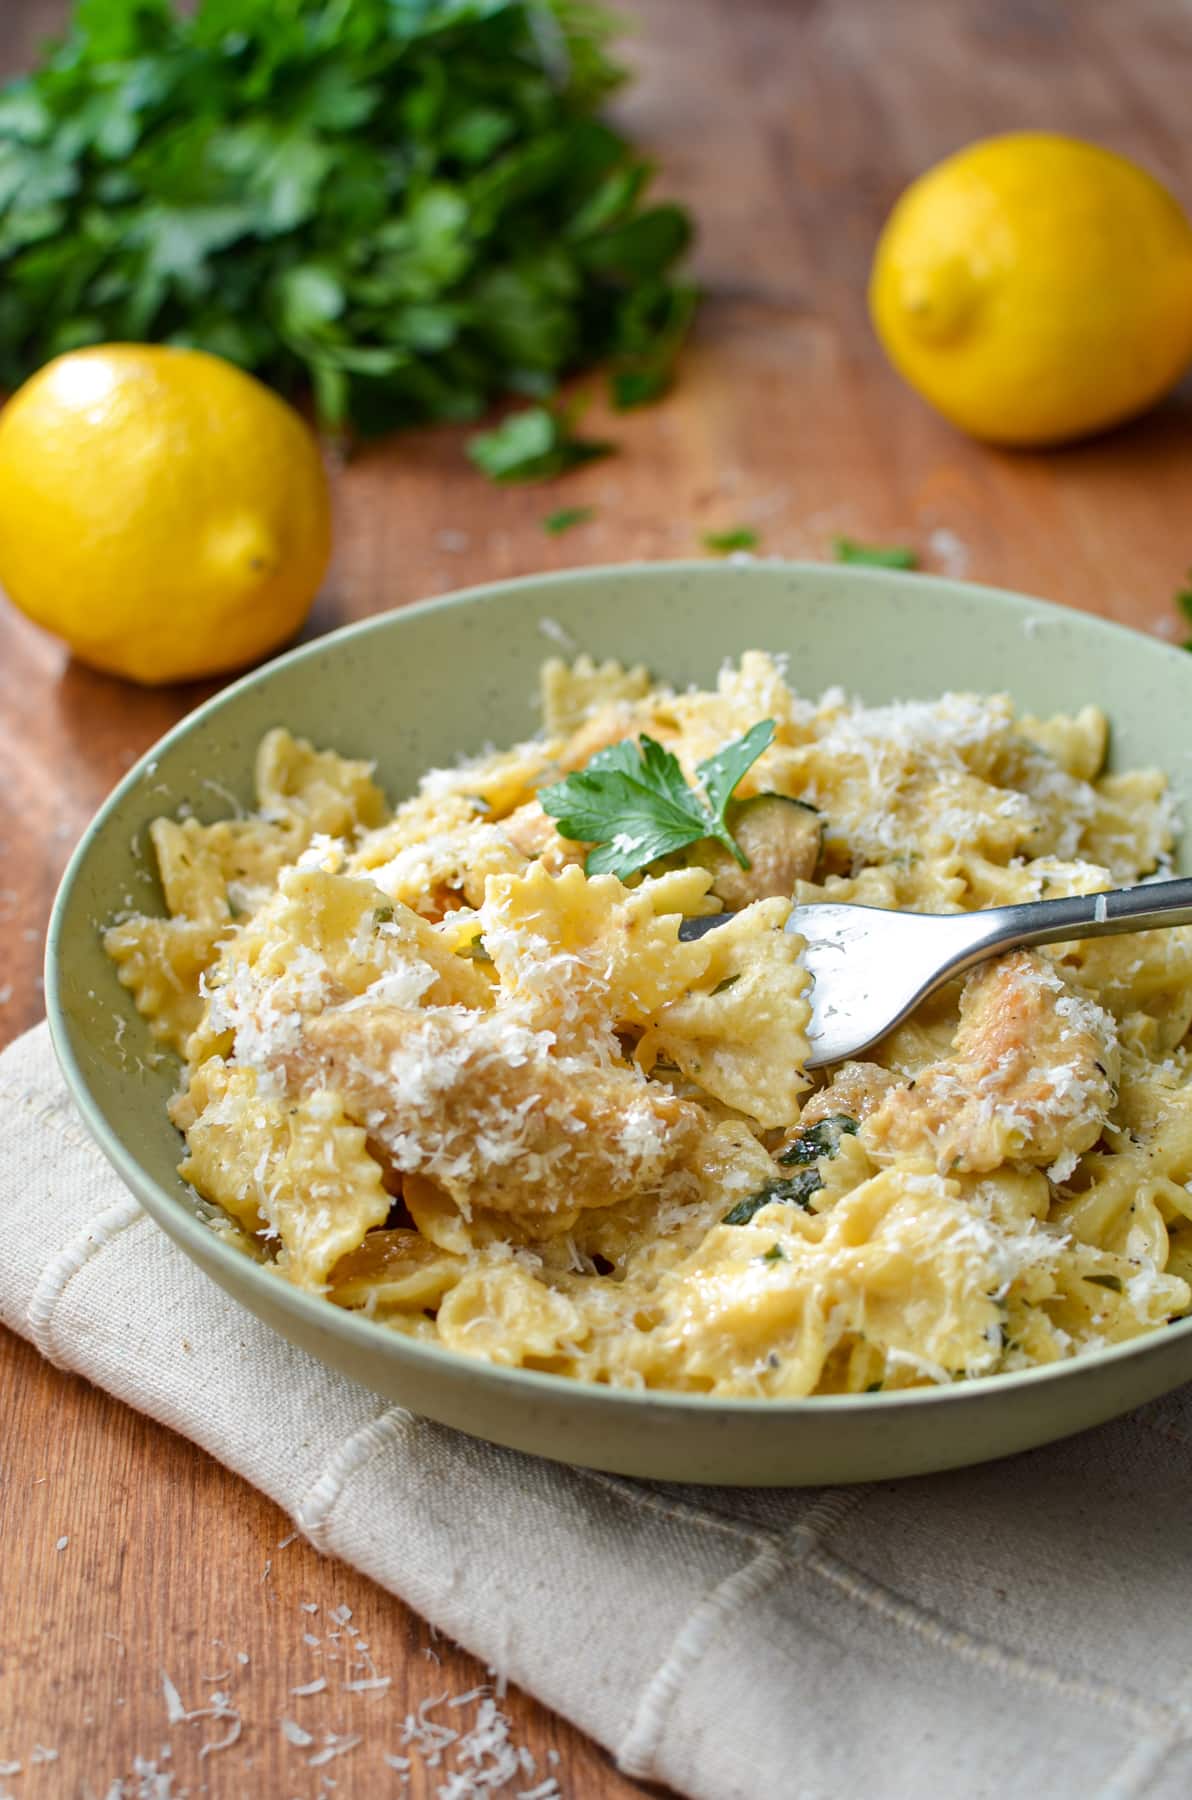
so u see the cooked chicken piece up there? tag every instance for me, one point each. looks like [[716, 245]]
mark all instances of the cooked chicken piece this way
[[478, 1103], [533, 832], [1033, 1071], [856, 1090]]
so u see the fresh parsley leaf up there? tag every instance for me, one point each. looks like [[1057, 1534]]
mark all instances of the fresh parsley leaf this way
[[893, 556], [567, 516], [821, 1139], [653, 321], [532, 445], [723, 543], [720, 774], [632, 802], [409, 208], [796, 1191], [630, 388]]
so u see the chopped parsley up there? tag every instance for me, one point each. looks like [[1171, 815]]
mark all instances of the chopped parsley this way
[[876, 556], [382, 915], [722, 987], [1112, 1282], [632, 802], [533, 445], [795, 1190], [774, 1254], [737, 537], [556, 523], [474, 950], [820, 1139]]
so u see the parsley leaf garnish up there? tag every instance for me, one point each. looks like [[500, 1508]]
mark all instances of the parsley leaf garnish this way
[[558, 522], [737, 537], [410, 208], [632, 802], [892, 556]]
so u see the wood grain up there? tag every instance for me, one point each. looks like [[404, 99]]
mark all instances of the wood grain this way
[[789, 127]]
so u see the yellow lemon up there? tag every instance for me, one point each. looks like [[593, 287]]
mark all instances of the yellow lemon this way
[[160, 510], [1035, 288]]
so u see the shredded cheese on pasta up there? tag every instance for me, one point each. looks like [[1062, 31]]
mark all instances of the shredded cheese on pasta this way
[[433, 1071]]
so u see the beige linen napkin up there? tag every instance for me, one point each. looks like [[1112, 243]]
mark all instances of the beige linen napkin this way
[[1024, 1628]]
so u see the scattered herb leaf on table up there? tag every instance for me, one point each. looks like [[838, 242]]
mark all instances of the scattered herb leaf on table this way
[[877, 556], [533, 445], [567, 517], [737, 537]]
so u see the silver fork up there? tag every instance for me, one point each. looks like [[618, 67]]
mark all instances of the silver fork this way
[[871, 968]]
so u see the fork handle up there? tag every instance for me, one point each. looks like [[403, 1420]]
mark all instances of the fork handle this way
[[1141, 908]]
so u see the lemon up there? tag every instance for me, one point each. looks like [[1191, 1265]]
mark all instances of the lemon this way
[[1035, 288], [161, 510]]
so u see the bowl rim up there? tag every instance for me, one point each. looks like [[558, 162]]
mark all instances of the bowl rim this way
[[432, 1358]]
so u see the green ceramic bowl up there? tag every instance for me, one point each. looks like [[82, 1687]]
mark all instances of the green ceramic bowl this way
[[417, 688]]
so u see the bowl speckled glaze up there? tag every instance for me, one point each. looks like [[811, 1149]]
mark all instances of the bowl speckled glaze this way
[[421, 687]]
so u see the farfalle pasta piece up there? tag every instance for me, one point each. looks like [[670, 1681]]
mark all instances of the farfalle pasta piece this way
[[504, 1315], [224, 870], [294, 1168], [395, 1270], [1130, 830], [162, 962], [743, 1036], [445, 868], [579, 952], [324, 939], [572, 692], [1076, 741], [500, 781], [364, 938], [899, 1262], [331, 794], [696, 726]]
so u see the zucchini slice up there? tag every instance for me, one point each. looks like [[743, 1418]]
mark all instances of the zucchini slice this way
[[781, 837]]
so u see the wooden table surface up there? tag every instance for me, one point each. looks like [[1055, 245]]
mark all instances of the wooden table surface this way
[[789, 127]]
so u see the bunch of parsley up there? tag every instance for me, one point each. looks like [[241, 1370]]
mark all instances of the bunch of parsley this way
[[408, 206]]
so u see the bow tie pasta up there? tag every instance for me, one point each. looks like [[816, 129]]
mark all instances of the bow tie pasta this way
[[436, 1071]]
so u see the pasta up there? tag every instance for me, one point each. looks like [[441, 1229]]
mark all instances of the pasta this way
[[435, 1071]]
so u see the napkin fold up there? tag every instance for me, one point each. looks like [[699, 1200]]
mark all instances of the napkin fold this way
[[1022, 1627]]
